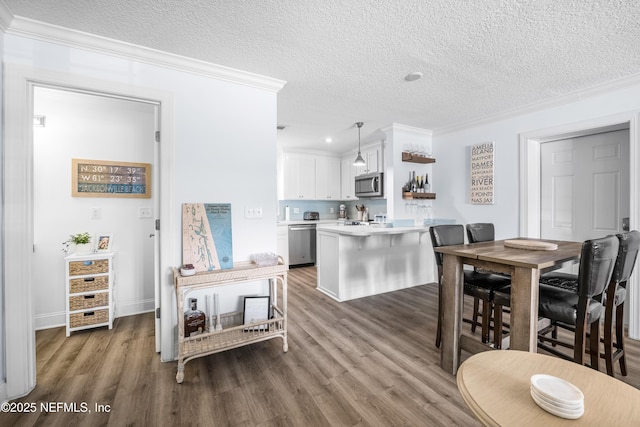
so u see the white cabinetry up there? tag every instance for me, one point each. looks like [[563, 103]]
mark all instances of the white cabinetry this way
[[327, 178], [299, 176], [89, 291], [372, 156], [348, 173], [311, 177], [282, 242]]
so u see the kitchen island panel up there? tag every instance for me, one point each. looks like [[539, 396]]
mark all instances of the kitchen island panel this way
[[356, 262]]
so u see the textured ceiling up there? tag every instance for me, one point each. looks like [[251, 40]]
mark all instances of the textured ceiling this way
[[345, 60]]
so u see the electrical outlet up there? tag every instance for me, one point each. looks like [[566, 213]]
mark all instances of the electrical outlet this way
[[296, 210], [332, 210], [96, 213]]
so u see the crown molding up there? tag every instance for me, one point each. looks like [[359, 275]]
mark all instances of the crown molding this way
[[77, 39], [397, 127], [621, 83], [5, 17]]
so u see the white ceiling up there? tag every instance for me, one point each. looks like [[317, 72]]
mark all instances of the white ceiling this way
[[345, 60]]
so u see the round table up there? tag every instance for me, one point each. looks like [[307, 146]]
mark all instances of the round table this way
[[496, 387]]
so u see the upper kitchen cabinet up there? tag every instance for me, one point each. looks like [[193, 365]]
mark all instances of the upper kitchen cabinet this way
[[348, 173], [311, 177], [372, 156], [327, 178], [299, 176]]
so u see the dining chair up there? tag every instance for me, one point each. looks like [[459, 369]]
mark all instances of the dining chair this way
[[480, 232], [579, 309], [476, 284], [613, 298], [629, 246]]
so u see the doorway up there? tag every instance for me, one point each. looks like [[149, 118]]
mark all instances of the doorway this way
[[530, 179], [19, 330], [76, 124]]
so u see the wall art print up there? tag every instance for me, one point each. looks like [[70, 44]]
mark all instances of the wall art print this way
[[206, 236], [482, 161]]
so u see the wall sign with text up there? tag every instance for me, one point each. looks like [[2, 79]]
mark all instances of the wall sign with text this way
[[482, 173], [103, 178]]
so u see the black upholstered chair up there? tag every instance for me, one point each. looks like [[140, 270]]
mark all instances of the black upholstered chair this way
[[476, 284], [613, 298], [479, 232], [579, 309], [485, 232], [629, 246]]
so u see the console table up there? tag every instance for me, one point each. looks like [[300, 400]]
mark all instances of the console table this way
[[234, 333]]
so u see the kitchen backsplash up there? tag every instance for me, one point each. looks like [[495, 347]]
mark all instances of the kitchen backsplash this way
[[375, 206]]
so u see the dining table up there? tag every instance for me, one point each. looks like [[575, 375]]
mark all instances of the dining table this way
[[497, 388], [524, 259]]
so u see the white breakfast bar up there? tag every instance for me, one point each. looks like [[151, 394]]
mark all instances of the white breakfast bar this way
[[356, 261]]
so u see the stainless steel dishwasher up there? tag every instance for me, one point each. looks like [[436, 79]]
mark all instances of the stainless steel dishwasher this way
[[302, 242]]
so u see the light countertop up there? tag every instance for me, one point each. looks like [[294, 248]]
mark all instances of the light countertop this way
[[368, 230]]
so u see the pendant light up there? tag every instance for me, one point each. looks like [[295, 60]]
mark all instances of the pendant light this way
[[359, 161]]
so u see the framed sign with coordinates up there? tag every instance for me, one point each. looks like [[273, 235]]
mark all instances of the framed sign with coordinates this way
[[104, 178]]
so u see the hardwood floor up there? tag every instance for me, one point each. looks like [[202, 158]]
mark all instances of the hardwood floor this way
[[367, 362]]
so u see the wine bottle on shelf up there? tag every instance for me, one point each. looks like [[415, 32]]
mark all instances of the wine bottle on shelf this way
[[414, 183], [194, 319], [427, 186], [421, 184]]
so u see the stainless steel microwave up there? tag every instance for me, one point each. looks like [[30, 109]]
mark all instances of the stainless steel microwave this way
[[369, 185]]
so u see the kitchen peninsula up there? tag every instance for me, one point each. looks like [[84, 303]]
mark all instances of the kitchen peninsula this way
[[364, 260]]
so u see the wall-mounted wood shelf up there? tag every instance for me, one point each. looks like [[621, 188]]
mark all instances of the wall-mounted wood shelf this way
[[414, 196], [408, 157]]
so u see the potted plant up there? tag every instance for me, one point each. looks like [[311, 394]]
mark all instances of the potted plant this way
[[82, 242]]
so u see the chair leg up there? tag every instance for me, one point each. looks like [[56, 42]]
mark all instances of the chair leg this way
[[579, 345], [497, 327], [439, 327], [474, 317], [608, 332], [594, 345], [620, 338], [487, 307]]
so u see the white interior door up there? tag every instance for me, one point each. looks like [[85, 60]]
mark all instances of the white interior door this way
[[584, 186]]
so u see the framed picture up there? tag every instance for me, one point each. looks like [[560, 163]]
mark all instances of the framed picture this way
[[256, 309], [104, 242]]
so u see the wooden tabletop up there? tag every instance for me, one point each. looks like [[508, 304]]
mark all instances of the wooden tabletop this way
[[496, 387], [496, 251]]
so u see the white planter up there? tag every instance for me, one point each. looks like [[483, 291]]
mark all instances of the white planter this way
[[84, 249]]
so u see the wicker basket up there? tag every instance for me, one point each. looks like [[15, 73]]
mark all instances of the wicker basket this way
[[78, 268], [88, 284], [89, 318], [81, 302]]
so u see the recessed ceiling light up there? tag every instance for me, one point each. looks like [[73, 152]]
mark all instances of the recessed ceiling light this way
[[413, 76], [328, 140]]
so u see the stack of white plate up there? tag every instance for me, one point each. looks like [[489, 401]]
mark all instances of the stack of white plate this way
[[557, 396]]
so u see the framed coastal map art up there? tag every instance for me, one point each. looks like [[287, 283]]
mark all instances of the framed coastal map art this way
[[206, 236]]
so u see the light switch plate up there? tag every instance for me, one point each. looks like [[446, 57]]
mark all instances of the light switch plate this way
[[145, 212]]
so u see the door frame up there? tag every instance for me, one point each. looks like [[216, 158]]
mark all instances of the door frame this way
[[530, 185], [20, 361]]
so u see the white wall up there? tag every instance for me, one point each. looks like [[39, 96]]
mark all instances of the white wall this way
[[452, 150], [224, 149], [91, 127]]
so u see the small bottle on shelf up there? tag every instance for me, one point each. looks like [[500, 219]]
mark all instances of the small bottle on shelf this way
[[194, 319], [427, 186]]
